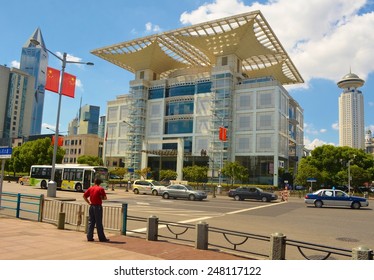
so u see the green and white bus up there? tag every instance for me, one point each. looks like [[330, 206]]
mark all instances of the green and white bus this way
[[71, 177]]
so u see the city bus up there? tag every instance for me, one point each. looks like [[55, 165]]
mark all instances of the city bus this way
[[71, 177]]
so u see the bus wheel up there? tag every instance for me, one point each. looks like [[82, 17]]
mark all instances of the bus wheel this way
[[43, 184], [78, 187]]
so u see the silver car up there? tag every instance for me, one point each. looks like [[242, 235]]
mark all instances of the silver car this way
[[183, 191]]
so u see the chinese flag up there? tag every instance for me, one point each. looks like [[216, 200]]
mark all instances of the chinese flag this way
[[223, 133], [53, 79], [68, 85]]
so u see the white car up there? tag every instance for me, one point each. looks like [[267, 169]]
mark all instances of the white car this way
[[147, 187]]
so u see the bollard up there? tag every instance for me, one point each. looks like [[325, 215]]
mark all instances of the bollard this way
[[362, 253], [124, 219], [202, 236], [61, 220], [86, 224], [277, 246], [152, 229], [51, 189]]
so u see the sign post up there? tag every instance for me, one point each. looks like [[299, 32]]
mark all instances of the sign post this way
[[5, 153], [311, 181]]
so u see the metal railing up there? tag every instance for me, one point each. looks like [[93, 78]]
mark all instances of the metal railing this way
[[23, 205], [75, 214], [115, 218]]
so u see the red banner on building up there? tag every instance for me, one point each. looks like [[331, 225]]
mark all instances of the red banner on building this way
[[53, 79], [68, 85], [223, 133]]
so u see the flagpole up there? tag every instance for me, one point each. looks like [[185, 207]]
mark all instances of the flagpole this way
[[55, 143], [52, 185]]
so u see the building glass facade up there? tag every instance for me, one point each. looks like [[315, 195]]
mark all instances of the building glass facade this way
[[201, 86], [34, 61]]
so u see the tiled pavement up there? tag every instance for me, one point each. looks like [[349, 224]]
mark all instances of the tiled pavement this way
[[25, 240]]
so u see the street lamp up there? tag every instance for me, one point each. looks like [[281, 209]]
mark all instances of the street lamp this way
[[349, 173], [64, 62]]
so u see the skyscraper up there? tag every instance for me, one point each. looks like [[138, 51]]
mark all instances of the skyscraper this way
[[34, 61], [16, 92], [87, 122], [351, 112]]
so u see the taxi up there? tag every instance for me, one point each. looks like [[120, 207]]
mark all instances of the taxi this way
[[334, 197]]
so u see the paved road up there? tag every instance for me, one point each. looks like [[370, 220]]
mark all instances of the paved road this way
[[338, 227]]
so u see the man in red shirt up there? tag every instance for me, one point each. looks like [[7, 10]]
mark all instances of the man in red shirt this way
[[94, 196]]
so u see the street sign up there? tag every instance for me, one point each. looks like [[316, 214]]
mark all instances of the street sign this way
[[5, 152], [311, 180]]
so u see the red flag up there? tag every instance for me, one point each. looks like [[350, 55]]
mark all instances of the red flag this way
[[68, 85], [223, 133], [60, 141], [53, 79]]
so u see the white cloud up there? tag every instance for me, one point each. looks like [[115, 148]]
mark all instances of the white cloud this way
[[312, 144], [151, 28], [323, 38], [335, 126], [15, 64], [49, 127], [78, 84], [323, 130]]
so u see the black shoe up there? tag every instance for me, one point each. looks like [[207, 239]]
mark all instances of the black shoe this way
[[105, 240], [90, 240]]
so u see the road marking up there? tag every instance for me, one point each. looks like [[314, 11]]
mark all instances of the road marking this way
[[207, 217], [253, 208], [142, 203]]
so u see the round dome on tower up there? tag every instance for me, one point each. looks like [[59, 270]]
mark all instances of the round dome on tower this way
[[350, 80]]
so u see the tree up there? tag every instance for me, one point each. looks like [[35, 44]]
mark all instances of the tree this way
[[195, 173], [90, 160], [168, 175], [329, 165], [33, 152], [144, 172], [235, 171]]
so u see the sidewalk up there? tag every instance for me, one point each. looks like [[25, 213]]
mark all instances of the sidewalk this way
[[29, 240]]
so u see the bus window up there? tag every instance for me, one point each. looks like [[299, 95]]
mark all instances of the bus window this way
[[87, 179]]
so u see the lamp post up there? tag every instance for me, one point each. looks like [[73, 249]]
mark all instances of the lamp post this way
[[64, 61]]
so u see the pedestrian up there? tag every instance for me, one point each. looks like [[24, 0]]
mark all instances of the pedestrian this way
[[94, 196]]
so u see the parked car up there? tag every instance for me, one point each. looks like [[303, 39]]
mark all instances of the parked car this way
[[114, 176], [24, 180], [183, 191], [242, 193], [334, 197], [147, 187]]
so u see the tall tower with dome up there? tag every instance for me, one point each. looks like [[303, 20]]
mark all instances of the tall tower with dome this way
[[351, 112]]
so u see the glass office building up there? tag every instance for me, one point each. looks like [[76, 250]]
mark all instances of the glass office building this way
[[34, 61], [190, 82]]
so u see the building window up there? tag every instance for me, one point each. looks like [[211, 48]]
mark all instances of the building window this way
[[178, 126], [265, 99], [224, 61], [265, 121]]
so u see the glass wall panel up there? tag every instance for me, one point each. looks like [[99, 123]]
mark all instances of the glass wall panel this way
[[178, 126]]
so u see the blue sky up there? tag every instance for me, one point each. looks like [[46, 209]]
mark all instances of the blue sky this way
[[325, 39]]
